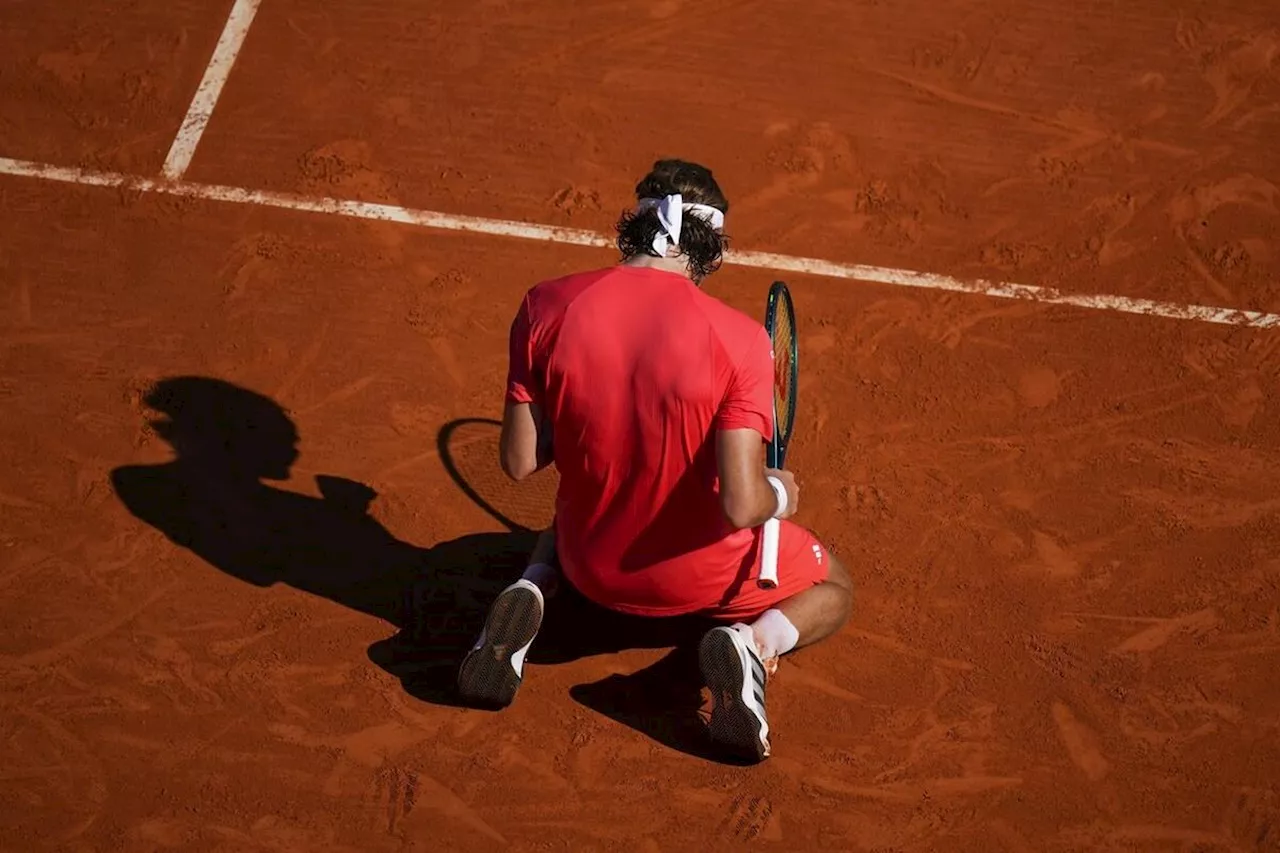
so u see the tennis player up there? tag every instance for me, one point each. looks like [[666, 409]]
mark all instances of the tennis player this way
[[655, 401]]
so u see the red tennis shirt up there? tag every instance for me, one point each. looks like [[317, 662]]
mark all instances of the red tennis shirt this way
[[637, 369]]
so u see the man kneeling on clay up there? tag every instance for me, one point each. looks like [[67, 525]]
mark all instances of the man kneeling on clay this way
[[655, 402]]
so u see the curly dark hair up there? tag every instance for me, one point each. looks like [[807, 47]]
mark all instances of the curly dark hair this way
[[700, 244]]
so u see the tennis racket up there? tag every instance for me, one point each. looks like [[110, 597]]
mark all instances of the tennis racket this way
[[780, 323]]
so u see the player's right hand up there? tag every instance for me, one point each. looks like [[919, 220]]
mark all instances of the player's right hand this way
[[788, 480]]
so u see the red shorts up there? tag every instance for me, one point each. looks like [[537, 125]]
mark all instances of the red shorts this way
[[802, 563]]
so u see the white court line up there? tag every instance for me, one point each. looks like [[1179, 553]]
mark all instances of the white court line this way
[[215, 77], [577, 237]]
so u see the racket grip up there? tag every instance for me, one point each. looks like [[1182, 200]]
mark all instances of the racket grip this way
[[769, 554]]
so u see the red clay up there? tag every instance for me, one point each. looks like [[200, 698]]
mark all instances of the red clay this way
[[1063, 524], [106, 86]]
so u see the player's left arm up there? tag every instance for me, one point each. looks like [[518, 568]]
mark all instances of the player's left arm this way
[[744, 424], [525, 446], [526, 440]]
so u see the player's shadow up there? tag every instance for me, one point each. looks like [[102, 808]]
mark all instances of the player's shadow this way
[[659, 701], [214, 499]]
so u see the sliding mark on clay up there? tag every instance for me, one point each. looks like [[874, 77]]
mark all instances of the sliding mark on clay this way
[[1081, 744]]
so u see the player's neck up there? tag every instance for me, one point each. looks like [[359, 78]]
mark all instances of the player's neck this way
[[677, 265]]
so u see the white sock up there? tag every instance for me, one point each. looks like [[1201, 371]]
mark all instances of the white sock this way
[[545, 577], [774, 633]]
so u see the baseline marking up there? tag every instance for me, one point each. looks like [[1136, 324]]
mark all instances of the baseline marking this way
[[215, 77], [578, 237]]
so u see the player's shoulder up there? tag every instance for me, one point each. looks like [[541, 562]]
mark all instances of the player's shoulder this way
[[554, 294], [735, 328], [570, 280]]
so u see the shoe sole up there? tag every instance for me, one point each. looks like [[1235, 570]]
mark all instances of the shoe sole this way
[[733, 725], [487, 676]]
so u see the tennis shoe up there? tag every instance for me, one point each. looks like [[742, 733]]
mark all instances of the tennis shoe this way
[[735, 674], [492, 671]]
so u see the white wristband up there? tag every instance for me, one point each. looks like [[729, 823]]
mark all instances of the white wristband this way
[[781, 491]]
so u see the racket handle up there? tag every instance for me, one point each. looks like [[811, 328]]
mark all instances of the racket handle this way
[[769, 554]]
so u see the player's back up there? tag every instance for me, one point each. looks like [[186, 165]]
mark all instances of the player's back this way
[[637, 364]]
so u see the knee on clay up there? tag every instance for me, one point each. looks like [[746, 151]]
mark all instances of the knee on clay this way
[[838, 577]]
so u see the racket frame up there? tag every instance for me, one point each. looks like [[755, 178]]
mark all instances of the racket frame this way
[[780, 299], [776, 451]]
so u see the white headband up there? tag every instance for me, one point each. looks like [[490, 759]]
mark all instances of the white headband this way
[[671, 212]]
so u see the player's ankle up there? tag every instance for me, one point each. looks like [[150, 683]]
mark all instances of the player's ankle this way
[[774, 634], [545, 577]]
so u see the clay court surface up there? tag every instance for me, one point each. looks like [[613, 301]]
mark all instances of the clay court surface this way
[[1064, 524]]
